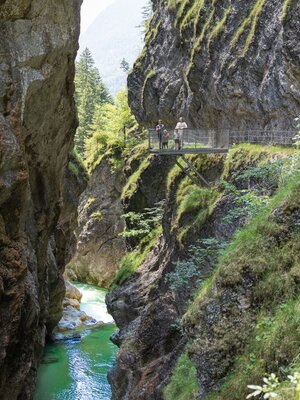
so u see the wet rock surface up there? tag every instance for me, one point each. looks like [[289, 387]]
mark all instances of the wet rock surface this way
[[37, 124], [73, 320]]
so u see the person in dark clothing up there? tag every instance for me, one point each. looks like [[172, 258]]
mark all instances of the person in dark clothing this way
[[160, 130], [165, 139]]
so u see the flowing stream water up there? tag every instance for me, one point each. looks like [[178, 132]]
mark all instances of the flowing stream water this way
[[77, 369]]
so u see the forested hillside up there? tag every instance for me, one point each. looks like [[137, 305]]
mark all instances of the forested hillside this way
[[116, 33]]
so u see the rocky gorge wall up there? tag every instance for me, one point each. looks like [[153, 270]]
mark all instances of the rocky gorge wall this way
[[121, 181], [37, 125], [184, 334], [182, 300], [145, 310], [223, 65], [99, 245]]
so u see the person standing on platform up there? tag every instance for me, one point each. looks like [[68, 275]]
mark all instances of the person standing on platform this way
[[179, 131], [160, 127], [165, 139]]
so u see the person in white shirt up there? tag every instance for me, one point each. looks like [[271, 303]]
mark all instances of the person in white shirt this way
[[179, 131]]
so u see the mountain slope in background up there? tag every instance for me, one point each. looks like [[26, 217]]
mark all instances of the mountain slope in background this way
[[114, 35]]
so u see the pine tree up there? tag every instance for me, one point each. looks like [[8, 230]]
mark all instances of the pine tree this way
[[124, 66], [90, 92], [147, 12]]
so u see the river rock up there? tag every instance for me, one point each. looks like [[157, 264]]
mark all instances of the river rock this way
[[71, 302], [72, 292], [73, 318]]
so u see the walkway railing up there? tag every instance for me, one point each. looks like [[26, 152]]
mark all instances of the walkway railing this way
[[212, 140], [260, 136]]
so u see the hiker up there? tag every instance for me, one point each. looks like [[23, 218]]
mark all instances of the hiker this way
[[160, 129], [176, 140], [165, 139], [179, 130]]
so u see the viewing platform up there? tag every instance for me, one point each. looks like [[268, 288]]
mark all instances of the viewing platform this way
[[210, 141]]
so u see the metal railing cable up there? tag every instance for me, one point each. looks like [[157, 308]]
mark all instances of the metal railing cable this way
[[213, 138]]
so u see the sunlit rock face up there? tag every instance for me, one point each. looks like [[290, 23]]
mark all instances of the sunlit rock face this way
[[37, 123], [222, 65], [99, 246]]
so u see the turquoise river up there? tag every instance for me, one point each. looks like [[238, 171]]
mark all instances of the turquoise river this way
[[77, 369]]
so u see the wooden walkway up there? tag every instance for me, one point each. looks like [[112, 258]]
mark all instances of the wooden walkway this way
[[210, 141], [201, 141], [200, 150]]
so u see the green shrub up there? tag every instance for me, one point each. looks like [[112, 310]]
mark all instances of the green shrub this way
[[249, 203], [247, 156], [268, 251], [138, 225], [135, 155], [76, 166], [133, 260], [266, 176], [203, 252]]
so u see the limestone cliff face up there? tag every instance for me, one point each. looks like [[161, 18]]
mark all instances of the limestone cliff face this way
[[37, 122], [147, 312], [99, 245], [222, 65], [158, 322]]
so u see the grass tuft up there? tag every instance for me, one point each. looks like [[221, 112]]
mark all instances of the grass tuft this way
[[133, 260], [250, 22], [183, 384], [132, 183]]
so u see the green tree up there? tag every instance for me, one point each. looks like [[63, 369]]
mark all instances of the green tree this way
[[108, 124], [90, 92], [125, 66], [112, 118], [147, 12]]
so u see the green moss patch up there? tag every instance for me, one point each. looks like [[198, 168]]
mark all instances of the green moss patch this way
[[97, 215], [243, 156], [250, 24], [76, 166], [285, 7], [265, 336], [132, 183], [133, 260], [183, 384]]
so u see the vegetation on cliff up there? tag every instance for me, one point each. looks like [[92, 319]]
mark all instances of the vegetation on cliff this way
[[260, 266], [233, 271], [184, 385]]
